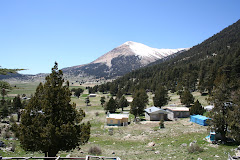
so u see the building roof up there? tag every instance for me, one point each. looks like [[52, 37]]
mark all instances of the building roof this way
[[154, 109], [200, 117], [209, 108], [117, 116], [178, 108]]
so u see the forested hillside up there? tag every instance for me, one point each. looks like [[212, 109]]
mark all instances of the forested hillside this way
[[199, 68]]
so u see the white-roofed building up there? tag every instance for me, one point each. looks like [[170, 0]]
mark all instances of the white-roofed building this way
[[155, 114], [117, 119], [177, 112]]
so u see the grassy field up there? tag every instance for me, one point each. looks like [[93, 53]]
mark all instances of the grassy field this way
[[132, 141]]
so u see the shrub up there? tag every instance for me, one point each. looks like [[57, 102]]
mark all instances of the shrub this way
[[161, 124], [194, 148], [97, 114], [13, 147], [95, 150], [12, 120]]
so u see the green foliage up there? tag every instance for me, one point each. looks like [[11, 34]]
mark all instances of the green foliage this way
[[161, 124], [5, 106], [197, 68], [111, 105], [186, 97], [5, 71], [50, 123], [102, 100], [197, 109], [220, 112], [5, 85], [17, 104], [140, 100], [161, 97], [123, 102], [77, 92], [87, 101]]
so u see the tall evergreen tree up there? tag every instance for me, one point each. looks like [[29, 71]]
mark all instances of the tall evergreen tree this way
[[220, 112], [197, 108], [17, 105], [161, 97], [140, 100], [234, 118], [111, 105], [187, 97], [50, 123], [123, 102]]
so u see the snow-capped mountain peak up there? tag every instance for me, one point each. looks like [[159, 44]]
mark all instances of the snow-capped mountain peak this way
[[144, 52], [121, 60]]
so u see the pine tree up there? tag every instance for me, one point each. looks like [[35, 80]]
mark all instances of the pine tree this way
[[78, 91], [111, 105], [197, 109], [140, 100], [161, 97], [220, 112], [123, 102], [186, 97], [102, 100], [50, 123], [234, 118], [17, 105]]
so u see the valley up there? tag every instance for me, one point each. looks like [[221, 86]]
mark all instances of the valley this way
[[142, 140]]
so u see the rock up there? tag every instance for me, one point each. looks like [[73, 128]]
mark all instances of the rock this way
[[151, 144], [191, 144], [184, 145], [157, 152], [68, 156], [216, 156], [199, 158]]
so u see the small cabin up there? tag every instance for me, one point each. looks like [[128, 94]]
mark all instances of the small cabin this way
[[155, 114], [177, 112], [117, 119]]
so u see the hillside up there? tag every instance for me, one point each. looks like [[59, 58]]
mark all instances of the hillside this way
[[198, 68]]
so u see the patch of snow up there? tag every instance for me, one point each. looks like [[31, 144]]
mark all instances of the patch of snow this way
[[146, 51]]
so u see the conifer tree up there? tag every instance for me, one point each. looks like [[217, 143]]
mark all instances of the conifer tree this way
[[111, 105], [123, 102], [187, 97], [102, 100], [17, 105], [220, 112], [161, 97], [197, 108], [50, 123], [140, 100]]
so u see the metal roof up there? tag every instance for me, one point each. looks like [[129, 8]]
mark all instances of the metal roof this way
[[178, 108], [118, 116], [154, 109]]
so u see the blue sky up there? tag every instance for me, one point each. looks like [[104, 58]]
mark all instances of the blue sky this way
[[36, 33]]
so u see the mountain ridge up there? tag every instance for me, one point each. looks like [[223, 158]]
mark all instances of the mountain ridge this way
[[123, 59]]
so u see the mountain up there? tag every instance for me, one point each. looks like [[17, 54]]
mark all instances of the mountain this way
[[201, 68], [121, 60]]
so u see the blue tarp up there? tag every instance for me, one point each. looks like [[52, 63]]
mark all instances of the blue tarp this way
[[199, 119]]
